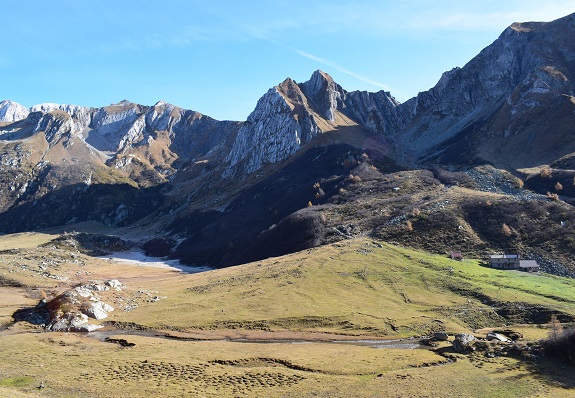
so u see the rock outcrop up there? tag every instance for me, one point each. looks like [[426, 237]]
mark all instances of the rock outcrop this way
[[440, 336], [72, 310], [281, 123], [498, 337]]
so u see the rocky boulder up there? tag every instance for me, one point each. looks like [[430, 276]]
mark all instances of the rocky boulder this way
[[115, 284], [463, 343], [498, 337], [440, 336], [72, 322], [512, 334], [98, 310]]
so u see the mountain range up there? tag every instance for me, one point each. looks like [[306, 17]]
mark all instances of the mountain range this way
[[485, 160]]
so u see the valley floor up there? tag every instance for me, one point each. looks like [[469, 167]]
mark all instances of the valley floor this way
[[308, 324]]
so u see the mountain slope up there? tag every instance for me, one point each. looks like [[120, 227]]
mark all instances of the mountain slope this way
[[314, 163], [511, 105]]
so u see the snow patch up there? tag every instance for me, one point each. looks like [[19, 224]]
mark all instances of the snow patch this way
[[137, 257]]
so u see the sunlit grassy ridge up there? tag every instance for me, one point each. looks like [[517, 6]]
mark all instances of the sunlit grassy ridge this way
[[355, 287]]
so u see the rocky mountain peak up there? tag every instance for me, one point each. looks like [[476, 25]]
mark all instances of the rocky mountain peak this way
[[72, 110], [123, 103], [497, 100], [324, 94], [11, 111], [290, 90]]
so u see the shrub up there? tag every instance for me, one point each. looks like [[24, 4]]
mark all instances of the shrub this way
[[558, 186], [353, 178], [519, 183], [560, 343], [409, 226], [545, 172], [158, 247], [446, 177], [506, 230], [552, 196]]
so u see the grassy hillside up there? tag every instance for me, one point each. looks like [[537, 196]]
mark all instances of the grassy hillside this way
[[359, 286], [356, 289]]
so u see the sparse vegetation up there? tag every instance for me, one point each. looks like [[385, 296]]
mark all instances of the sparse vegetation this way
[[457, 178], [353, 178], [18, 381]]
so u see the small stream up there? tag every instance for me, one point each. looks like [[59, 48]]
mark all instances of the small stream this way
[[406, 344]]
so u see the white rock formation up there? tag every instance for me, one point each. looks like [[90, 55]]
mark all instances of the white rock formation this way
[[271, 134], [11, 111], [115, 284], [99, 310]]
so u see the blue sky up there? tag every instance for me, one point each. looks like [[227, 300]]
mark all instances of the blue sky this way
[[219, 57]]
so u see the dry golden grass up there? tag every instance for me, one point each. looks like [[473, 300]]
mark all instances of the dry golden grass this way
[[13, 299], [24, 240], [71, 365]]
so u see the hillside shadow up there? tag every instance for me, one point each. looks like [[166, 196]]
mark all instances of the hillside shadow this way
[[111, 204], [553, 372], [38, 315], [270, 218]]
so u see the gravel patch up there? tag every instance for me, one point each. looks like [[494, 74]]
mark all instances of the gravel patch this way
[[497, 182]]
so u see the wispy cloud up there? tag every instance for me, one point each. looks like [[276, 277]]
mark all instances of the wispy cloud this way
[[341, 69], [416, 17], [435, 21]]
